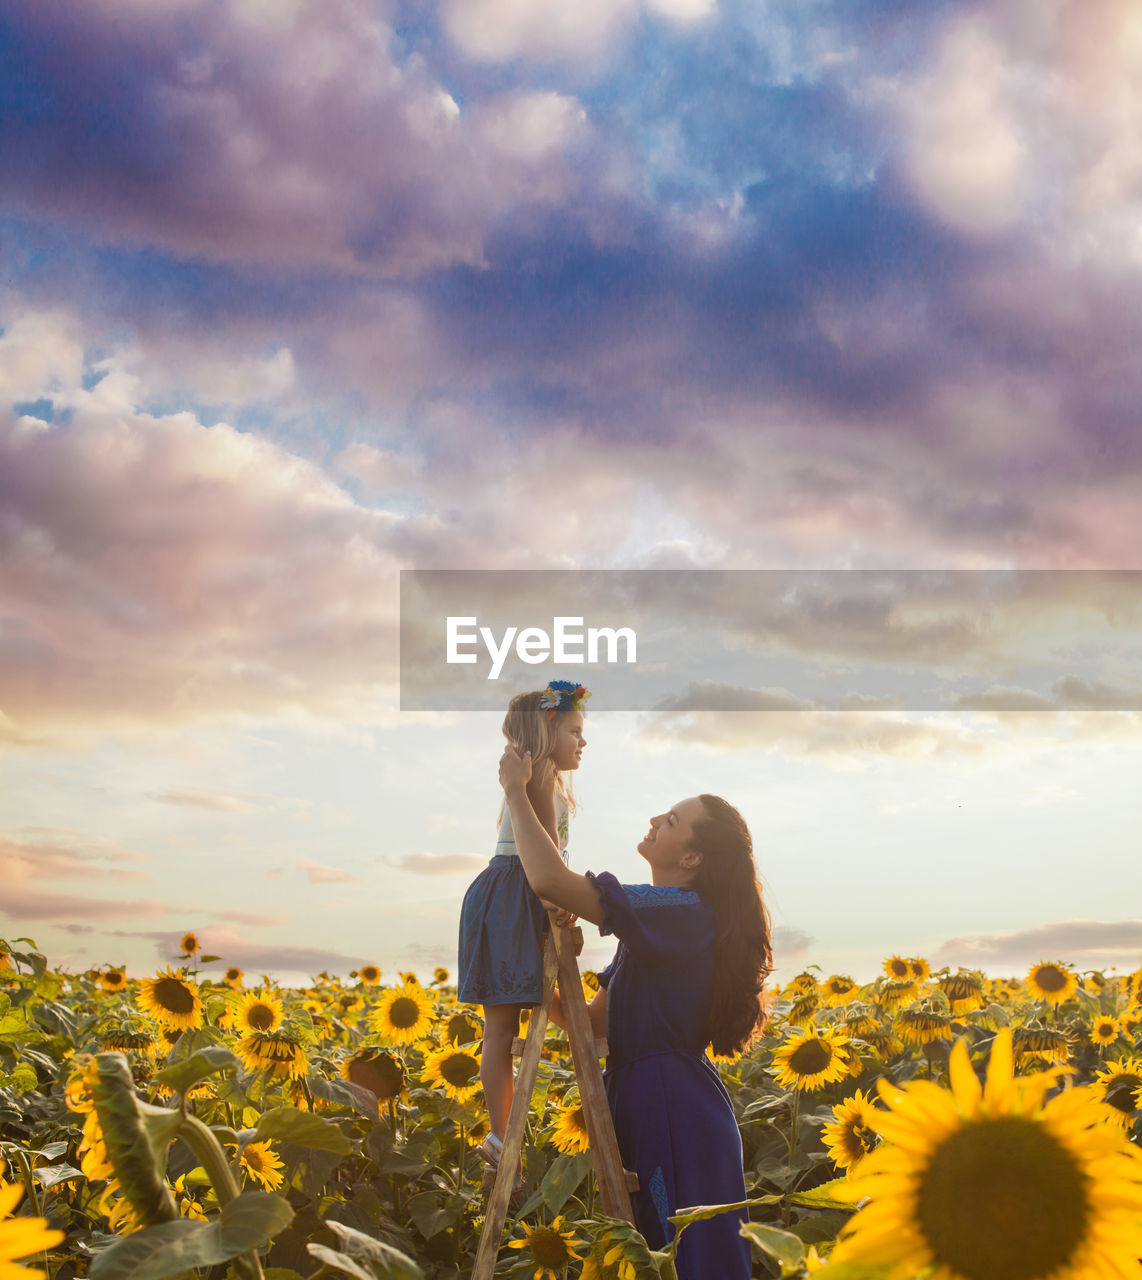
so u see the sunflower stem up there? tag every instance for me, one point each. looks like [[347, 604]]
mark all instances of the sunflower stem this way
[[786, 1204], [460, 1159], [308, 1095], [213, 1159]]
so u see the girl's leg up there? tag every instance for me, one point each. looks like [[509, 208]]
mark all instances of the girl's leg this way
[[497, 1074]]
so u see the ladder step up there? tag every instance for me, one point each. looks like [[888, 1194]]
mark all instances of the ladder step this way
[[602, 1049], [632, 1180]]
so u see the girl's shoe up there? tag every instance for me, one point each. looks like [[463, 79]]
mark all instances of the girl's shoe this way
[[491, 1149]]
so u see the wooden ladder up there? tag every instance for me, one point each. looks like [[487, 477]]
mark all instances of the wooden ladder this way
[[560, 947]]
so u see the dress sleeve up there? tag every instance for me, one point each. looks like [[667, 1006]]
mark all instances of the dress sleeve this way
[[654, 922]]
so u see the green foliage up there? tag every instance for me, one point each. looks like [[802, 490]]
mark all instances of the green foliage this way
[[170, 1248]]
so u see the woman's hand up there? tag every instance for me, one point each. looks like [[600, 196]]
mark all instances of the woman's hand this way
[[515, 770]]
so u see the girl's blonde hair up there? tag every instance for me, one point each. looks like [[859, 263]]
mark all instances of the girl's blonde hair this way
[[528, 727]]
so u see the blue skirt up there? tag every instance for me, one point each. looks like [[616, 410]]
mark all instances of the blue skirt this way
[[501, 937]]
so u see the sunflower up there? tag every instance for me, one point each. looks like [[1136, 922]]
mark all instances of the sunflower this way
[[404, 1014], [803, 1009], [897, 969], [1131, 1020], [1094, 982], [923, 1026], [918, 967], [233, 978], [21, 1237], [461, 1028], [551, 1248], [439, 976], [190, 943], [570, 1133], [1117, 1086], [884, 1042], [1104, 1031], [964, 990], [132, 1039], [1048, 1043], [811, 1059], [849, 1137], [838, 990], [456, 1070], [859, 1023], [256, 1013], [376, 1069], [801, 985], [171, 1000], [988, 1183], [369, 974], [112, 980], [1051, 982], [408, 978], [261, 1162], [894, 995], [278, 1052]]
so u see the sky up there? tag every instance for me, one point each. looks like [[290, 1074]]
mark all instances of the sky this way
[[299, 294]]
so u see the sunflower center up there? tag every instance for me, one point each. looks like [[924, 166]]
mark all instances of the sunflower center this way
[[260, 1017], [549, 1248], [460, 1030], [1003, 1200], [383, 1074], [174, 996], [404, 1012], [862, 1139], [900, 969], [1121, 1090], [1050, 977], [810, 1056], [459, 1070]]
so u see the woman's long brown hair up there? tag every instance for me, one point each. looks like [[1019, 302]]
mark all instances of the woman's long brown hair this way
[[743, 957]]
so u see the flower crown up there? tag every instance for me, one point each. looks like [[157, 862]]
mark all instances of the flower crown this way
[[562, 696]]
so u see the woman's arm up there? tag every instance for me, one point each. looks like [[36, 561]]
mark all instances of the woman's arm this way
[[597, 1011], [546, 871]]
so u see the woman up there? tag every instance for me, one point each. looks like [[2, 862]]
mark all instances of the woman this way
[[693, 956]]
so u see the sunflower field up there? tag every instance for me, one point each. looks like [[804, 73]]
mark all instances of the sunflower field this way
[[941, 1125]]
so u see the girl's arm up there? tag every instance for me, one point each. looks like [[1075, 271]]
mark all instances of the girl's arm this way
[[546, 871]]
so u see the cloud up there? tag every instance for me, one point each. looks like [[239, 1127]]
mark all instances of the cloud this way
[[285, 962], [790, 946], [251, 917], [441, 864], [206, 800], [306, 136], [1087, 944], [57, 854], [316, 873], [34, 904]]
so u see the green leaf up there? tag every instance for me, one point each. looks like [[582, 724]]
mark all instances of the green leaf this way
[[562, 1180], [208, 959], [338, 1091], [431, 1215], [53, 1174], [783, 1246], [23, 1079], [338, 1261], [390, 1261], [700, 1212], [822, 1197], [302, 1128], [180, 1076], [159, 1252]]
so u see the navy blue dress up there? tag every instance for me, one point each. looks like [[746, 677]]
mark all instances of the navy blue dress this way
[[673, 1117], [501, 926]]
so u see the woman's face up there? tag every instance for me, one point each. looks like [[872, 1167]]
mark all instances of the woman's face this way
[[569, 741], [666, 845]]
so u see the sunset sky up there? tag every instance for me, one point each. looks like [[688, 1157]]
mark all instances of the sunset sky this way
[[301, 293]]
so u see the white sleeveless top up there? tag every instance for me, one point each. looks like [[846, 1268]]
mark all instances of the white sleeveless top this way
[[506, 842]]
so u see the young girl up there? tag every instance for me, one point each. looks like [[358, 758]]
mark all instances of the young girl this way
[[502, 920]]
